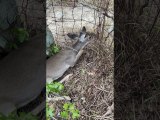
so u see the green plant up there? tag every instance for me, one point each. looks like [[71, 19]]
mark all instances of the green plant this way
[[20, 35], [50, 112], [20, 116], [70, 110], [55, 87], [53, 49]]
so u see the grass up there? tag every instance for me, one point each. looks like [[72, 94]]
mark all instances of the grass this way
[[137, 65]]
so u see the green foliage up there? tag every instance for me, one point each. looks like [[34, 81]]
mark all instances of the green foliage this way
[[75, 114], [20, 35], [70, 110], [53, 49], [50, 112], [21, 116], [64, 114], [55, 87]]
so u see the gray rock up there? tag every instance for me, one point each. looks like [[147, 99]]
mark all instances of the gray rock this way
[[8, 13], [49, 39]]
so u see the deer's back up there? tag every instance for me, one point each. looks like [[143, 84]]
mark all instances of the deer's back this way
[[58, 64]]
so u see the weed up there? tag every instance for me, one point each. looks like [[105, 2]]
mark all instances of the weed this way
[[68, 109], [53, 49], [50, 112], [20, 35]]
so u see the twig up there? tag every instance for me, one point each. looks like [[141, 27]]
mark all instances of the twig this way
[[66, 78]]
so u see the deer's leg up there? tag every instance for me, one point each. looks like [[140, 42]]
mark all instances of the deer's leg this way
[[77, 57]]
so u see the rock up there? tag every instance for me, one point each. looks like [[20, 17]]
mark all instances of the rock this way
[[49, 39], [8, 13]]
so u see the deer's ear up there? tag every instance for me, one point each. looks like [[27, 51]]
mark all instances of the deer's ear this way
[[84, 29], [72, 36]]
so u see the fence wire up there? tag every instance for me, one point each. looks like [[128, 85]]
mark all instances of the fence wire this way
[[64, 16], [69, 16]]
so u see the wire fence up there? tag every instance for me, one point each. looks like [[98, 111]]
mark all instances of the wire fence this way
[[64, 16], [69, 16], [61, 16]]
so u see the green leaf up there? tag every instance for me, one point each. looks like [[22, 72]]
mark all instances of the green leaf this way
[[64, 114], [53, 49], [75, 114], [71, 107], [56, 49], [20, 34], [55, 87], [66, 106], [60, 87], [50, 112]]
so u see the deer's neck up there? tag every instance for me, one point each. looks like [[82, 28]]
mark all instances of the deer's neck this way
[[79, 45]]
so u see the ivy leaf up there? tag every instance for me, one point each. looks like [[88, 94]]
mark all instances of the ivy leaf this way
[[60, 87], [75, 114], [66, 106], [64, 114], [55, 87], [56, 49], [71, 108], [53, 49]]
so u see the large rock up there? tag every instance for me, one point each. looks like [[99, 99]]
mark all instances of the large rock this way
[[49, 39], [8, 13]]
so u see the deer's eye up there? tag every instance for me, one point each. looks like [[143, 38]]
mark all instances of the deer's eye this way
[[86, 35]]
